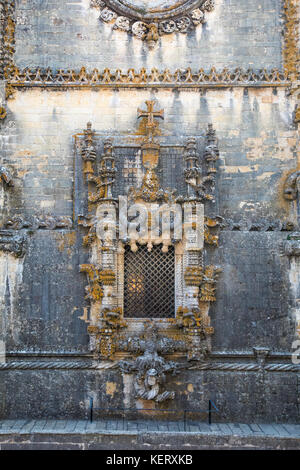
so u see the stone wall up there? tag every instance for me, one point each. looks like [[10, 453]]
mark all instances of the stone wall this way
[[43, 309]]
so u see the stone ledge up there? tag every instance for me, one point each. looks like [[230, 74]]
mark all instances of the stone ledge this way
[[30, 434]]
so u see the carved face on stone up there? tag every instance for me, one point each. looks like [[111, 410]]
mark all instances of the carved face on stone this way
[[151, 377]]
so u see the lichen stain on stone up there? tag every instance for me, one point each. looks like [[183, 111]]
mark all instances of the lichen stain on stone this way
[[111, 388], [85, 315], [256, 148], [67, 240]]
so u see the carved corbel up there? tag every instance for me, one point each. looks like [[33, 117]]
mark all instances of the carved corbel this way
[[14, 243], [291, 247]]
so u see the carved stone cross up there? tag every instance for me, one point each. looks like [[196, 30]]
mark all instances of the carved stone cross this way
[[150, 114]]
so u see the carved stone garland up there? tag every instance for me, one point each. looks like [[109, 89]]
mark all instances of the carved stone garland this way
[[149, 22], [112, 336]]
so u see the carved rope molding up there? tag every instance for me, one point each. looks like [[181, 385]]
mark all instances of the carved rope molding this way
[[80, 365]]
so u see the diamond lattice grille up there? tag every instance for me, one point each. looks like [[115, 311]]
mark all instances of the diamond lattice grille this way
[[149, 286]]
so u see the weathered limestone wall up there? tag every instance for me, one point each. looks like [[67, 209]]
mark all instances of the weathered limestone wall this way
[[257, 141], [61, 34], [50, 372]]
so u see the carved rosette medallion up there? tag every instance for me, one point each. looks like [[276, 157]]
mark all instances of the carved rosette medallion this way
[[148, 20]]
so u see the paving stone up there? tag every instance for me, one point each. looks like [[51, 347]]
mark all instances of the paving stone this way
[[214, 428], [60, 425], [70, 426], [255, 428], [224, 428], [204, 427], [27, 427], [235, 428], [163, 427], [80, 426], [268, 429], [16, 425], [40, 424], [193, 428], [245, 429], [281, 430], [293, 429]]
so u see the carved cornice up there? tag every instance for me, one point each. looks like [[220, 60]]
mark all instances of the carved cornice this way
[[43, 221], [259, 225], [149, 23], [14, 243], [187, 78]]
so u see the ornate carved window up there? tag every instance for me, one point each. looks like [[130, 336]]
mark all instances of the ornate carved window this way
[[147, 231], [149, 283]]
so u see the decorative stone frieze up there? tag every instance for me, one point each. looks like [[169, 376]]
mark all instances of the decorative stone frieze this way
[[43, 221], [148, 22], [107, 78]]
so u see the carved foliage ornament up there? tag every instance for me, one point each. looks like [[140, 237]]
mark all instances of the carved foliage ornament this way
[[149, 20]]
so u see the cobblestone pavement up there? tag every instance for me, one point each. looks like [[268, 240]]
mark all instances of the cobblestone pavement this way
[[113, 426]]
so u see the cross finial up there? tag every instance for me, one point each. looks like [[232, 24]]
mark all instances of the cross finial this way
[[150, 114]]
